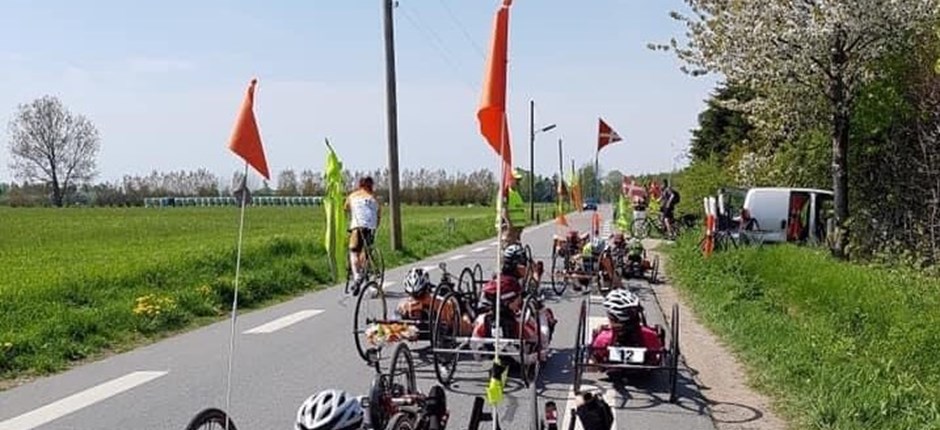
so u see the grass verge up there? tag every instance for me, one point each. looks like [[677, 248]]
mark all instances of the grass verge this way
[[79, 282], [838, 346]]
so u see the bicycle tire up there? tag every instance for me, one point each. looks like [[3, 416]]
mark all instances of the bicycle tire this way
[[579, 348], [529, 371], [444, 368], [208, 417], [359, 329], [401, 421], [377, 265], [558, 285], [402, 356]]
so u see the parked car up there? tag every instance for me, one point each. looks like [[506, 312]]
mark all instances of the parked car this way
[[789, 214], [589, 205]]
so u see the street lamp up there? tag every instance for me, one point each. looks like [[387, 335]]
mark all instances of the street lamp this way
[[532, 133]]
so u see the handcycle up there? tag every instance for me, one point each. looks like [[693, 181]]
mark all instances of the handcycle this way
[[373, 267], [371, 311], [628, 358], [393, 401], [632, 260]]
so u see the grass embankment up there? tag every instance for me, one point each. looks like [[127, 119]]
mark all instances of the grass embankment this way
[[839, 346], [76, 282]]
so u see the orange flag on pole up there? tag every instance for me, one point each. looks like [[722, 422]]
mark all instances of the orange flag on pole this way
[[494, 125], [246, 141]]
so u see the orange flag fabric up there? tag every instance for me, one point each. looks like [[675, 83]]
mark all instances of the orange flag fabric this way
[[494, 125], [605, 135], [246, 140]]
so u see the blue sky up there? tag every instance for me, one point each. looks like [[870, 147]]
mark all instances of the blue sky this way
[[163, 80]]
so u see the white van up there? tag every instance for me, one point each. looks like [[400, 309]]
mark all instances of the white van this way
[[789, 214]]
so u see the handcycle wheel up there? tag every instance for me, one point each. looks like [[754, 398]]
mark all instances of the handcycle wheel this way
[[402, 370], [211, 419], [444, 333], [370, 297], [558, 285], [530, 318], [401, 421], [478, 280], [579, 348], [654, 271], [674, 355], [466, 284]]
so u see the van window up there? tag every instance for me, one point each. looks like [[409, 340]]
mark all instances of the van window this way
[[825, 210]]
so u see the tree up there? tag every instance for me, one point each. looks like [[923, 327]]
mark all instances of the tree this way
[[799, 50], [51, 145], [722, 127], [287, 183]]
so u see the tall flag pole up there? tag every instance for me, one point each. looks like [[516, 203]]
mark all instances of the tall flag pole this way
[[494, 127], [605, 136], [246, 143]]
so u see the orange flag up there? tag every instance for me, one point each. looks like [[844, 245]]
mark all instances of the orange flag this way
[[561, 220], [494, 125], [246, 141]]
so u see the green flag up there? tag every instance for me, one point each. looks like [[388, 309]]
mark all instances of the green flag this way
[[622, 221], [335, 240]]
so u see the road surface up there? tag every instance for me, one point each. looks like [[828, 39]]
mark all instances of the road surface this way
[[286, 352]]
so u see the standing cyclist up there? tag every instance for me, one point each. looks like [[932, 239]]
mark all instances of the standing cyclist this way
[[670, 198], [364, 215]]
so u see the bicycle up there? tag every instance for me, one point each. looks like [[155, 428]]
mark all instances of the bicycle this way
[[211, 419], [640, 227], [373, 266]]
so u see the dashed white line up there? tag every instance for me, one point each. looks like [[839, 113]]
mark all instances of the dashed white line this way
[[285, 321], [387, 284], [63, 407], [494, 243], [480, 249], [456, 257], [429, 268]]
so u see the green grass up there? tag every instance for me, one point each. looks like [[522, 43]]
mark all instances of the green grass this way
[[839, 346], [77, 282]]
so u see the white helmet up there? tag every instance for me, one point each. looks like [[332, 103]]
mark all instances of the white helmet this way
[[330, 410], [417, 281], [622, 305]]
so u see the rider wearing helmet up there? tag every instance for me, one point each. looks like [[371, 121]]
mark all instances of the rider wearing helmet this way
[[330, 410], [422, 300], [511, 301], [626, 327]]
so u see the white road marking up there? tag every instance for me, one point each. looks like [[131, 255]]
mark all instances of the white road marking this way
[[429, 268], [456, 257], [480, 249], [63, 407], [387, 284], [494, 244], [610, 395], [285, 321]]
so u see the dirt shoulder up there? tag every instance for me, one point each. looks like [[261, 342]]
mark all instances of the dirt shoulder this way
[[722, 378]]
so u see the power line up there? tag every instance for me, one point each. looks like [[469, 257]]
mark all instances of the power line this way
[[463, 29], [438, 44]]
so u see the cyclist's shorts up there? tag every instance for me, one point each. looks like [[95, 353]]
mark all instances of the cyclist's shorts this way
[[360, 237]]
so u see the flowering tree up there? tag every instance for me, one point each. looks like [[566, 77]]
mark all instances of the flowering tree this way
[[791, 51]]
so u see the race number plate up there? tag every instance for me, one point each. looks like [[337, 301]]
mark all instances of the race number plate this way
[[626, 355]]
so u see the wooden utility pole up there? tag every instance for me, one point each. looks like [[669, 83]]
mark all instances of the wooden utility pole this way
[[392, 99]]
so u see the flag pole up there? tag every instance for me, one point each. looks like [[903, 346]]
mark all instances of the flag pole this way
[[238, 262]]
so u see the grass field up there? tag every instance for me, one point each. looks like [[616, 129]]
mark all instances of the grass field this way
[[840, 346], [76, 282]]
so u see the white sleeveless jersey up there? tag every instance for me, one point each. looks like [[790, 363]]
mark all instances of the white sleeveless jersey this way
[[363, 210]]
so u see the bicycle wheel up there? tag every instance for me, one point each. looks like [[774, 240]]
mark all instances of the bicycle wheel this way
[[674, 357], [401, 421], [579, 347], [558, 281], [529, 349], [640, 228], [211, 419], [445, 333], [376, 266], [465, 283], [402, 370], [370, 307]]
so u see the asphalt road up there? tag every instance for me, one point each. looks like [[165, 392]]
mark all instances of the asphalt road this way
[[287, 352]]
